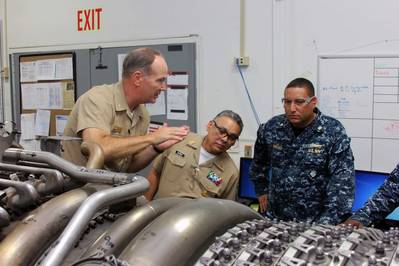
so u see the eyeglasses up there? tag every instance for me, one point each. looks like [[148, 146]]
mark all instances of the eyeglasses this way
[[297, 102], [223, 132]]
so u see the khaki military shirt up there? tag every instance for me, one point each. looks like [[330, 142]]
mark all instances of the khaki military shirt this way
[[104, 107], [181, 176]]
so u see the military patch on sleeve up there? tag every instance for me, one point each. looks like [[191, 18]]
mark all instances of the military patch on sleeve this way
[[214, 178]]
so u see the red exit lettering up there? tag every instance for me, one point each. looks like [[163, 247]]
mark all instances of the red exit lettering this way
[[89, 19]]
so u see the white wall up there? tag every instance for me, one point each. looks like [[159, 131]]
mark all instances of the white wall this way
[[49, 24], [307, 28], [36, 25], [339, 27], [283, 40]]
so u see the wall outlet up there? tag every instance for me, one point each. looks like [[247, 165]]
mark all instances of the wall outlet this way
[[242, 61], [248, 151]]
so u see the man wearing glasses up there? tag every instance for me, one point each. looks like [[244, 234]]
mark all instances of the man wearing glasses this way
[[114, 116], [303, 164], [199, 166]]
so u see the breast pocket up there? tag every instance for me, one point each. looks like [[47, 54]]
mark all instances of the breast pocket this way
[[315, 160], [314, 169], [175, 167], [278, 153], [119, 129], [176, 160]]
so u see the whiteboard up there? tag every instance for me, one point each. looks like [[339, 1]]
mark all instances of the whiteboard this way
[[363, 93]]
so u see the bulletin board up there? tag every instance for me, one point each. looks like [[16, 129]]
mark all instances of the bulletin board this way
[[46, 89], [363, 93], [99, 66]]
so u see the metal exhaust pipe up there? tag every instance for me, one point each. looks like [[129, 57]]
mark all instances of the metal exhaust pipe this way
[[53, 184], [78, 172], [19, 194], [78, 223], [188, 229], [95, 155], [4, 218], [24, 244], [122, 231]]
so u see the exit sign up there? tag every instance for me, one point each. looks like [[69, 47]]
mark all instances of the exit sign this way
[[89, 19]]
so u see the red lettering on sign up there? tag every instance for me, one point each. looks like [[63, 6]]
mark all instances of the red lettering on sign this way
[[80, 20], [91, 19], [98, 12], [87, 17]]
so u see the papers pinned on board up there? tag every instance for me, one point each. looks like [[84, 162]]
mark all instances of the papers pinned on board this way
[[177, 107], [158, 108], [42, 122], [42, 95], [47, 69], [178, 79]]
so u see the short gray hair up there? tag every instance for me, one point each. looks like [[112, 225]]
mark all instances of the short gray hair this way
[[236, 117], [139, 59]]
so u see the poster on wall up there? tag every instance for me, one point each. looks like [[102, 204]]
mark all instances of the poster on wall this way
[[157, 108], [177, 108]]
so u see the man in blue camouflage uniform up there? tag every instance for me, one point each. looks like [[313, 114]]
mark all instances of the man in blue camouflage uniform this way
[[303, 165], [383, 202]]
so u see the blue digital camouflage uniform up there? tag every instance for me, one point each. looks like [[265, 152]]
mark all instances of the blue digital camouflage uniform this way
[[309, 177], [383, 202]]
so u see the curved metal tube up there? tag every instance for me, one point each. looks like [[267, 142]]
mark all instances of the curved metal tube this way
[[121, 232], [31, 164], [5, 143], [79, 172], [4, 218], [95, 154], [24, 244], [188, 228], [79, 221], [22, 194], [54, 184]]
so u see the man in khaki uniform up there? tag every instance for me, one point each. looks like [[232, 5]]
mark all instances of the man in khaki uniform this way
[[114, 116], [199, 166]]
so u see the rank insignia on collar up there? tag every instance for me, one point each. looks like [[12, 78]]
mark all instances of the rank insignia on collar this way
[[180, 153], [214, 178]]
